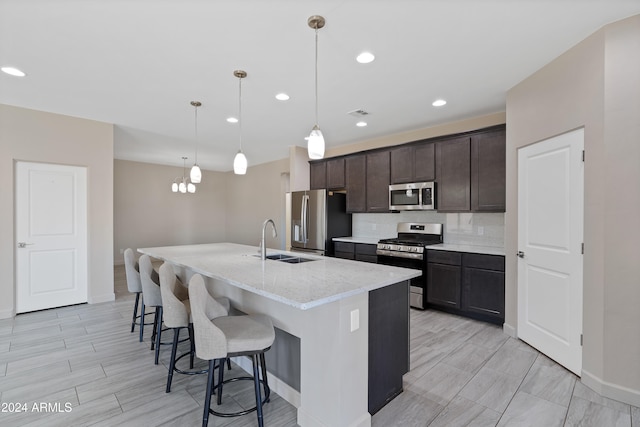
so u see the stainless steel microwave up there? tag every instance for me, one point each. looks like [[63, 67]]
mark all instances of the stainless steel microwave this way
[[417, 196]]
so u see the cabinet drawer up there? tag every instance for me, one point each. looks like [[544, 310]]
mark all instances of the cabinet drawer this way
[[366, 249], [343, 247], [486, 262], [444, 257], [344, 255], [367, 258]]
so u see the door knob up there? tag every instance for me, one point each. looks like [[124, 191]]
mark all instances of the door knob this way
[[24, 244], [520, 254]]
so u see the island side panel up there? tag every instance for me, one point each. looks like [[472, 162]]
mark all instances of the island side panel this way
[[388, 343], [333, 359]]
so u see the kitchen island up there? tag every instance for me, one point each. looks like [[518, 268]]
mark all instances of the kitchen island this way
[[321, 309]]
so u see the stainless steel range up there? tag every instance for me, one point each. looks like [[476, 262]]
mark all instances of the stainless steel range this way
[[408, 250]]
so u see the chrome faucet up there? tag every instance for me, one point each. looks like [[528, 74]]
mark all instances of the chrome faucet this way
[[263, 247]]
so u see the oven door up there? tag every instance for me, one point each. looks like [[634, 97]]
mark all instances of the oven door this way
[[417, 285]]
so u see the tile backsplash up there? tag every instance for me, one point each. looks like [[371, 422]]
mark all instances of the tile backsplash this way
[[484, 229]]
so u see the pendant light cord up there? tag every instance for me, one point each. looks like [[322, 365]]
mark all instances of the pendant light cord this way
[[240, 109], [316, 77], [196, 127]]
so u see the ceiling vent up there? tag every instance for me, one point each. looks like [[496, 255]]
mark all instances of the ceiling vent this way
[[358, 113]]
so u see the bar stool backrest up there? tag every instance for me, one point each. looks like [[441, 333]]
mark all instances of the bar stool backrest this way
[[211, 342], [174, 310], [133, 275], [150, 282]]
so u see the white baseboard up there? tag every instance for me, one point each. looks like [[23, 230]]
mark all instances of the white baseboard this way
[[97, 299], [7, 313], [610, 390], [509, 330], [283, 389]]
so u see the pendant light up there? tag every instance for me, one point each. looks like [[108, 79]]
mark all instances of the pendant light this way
[[196, 173], [315, 144], [240, 161], [183, 185]]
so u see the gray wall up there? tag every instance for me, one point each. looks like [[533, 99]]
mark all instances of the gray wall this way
[[595, 85], [37, 136], [147, 213]]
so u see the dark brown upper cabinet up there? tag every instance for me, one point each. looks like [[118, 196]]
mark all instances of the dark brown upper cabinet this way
[[318, 175], [488, 171], [401, 165], [415, 163], [355, 180], [378, 179], [335, 174], [453, 168], [424, 162]]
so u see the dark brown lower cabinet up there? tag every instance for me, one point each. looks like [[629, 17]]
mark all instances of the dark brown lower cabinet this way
[[388, 343], [467, 284], [358, 251], [443, 285]]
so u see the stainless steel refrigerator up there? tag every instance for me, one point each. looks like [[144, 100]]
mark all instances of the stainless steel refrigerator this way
[[314, 218]]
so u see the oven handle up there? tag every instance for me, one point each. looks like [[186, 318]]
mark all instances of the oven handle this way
[[399, 254]]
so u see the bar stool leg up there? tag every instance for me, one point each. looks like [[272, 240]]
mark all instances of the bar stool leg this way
[[142, 319], [256, 383], [172, 362], [267, 390], [158, 331], [207, 396], [135, 312], [220, 379], [192, 343], [154, 331]]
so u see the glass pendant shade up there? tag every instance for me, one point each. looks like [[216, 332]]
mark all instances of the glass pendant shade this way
[[195, 175], [315, 144], [240, 163], [191, 188], [174, 187], [182, 187]]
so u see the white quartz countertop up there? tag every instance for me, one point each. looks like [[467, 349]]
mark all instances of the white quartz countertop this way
[[304, 285], [487, 250], [351, 239]]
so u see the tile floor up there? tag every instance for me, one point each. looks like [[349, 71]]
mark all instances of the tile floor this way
[[83, 363]]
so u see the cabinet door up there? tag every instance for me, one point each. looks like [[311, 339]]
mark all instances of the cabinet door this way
[[378, 178], [401, 165], [424, 162], [453, 168], [443, 285], [488, 177], [318, 175], [483, 292], [366, 252], [335, 174], [356, 177]]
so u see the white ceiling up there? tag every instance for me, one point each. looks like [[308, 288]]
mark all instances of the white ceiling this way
[[138, 64]]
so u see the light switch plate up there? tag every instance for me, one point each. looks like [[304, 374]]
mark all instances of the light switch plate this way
[[355, 320]]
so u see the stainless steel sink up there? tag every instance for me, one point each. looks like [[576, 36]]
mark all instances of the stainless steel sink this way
[[291, 259]]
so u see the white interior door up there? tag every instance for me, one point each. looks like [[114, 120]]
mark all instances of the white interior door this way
[[550, 236], [51, 233]]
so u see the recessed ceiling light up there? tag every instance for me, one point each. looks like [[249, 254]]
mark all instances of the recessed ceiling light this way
[[439, 102], [282, 97], [13, 71], [365, 57], [361, 124], [232, 120]]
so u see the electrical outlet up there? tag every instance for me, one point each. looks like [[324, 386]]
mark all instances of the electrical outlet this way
[[355, 320], [480, 231]]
